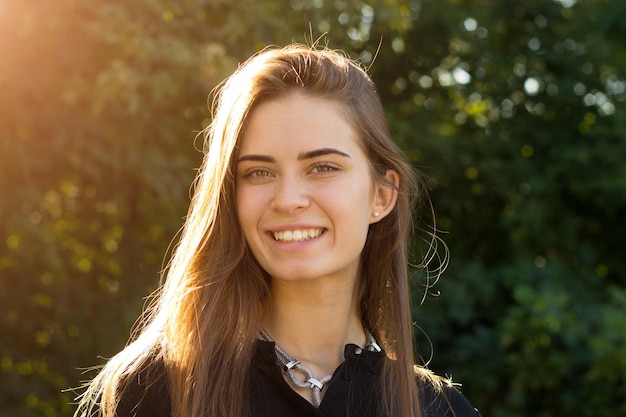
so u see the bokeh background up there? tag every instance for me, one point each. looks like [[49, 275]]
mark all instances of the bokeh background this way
[[514, 110]]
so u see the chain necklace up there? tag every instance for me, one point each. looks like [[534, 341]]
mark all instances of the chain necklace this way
[[291, 366]]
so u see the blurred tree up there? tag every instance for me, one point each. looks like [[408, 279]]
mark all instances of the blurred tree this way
[[91, 183], [516, 112]]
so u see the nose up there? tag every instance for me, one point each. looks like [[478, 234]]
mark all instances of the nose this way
[[290, 195]]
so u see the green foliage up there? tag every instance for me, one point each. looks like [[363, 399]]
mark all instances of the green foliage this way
[[515, 112], [524, 145]]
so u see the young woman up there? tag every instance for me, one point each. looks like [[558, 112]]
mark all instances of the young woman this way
[[287, 294]]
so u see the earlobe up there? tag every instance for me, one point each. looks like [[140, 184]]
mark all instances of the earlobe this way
[[385, 196]]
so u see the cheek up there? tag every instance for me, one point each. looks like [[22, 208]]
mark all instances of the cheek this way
[[358, 194], [248, 208], [242, 207]]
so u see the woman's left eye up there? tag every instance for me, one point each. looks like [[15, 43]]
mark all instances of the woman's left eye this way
[[324, 168]]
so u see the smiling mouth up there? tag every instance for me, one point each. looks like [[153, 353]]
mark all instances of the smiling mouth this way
[[297, 235]]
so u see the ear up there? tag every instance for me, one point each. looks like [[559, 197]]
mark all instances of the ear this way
[[385, 196]]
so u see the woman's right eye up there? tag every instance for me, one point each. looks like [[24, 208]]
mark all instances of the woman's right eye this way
[[257, 173]]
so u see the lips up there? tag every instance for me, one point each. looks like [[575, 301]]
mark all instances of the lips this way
[[298, 235]]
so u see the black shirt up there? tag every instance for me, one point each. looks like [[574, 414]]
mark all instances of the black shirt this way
[[353, 391]]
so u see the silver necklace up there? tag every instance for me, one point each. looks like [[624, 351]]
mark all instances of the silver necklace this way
[[291, 367]]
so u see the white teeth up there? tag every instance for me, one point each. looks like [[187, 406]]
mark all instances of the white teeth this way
[[297, 235]]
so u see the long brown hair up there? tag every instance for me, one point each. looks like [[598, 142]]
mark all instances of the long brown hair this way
[[204, 321]]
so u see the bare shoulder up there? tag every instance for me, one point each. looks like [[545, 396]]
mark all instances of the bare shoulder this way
[[439, 397]]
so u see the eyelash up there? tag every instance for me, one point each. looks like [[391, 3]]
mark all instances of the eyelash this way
[[326, 168]]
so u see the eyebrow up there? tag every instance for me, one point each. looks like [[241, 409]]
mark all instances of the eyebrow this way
[[301, 156], [321, 152]]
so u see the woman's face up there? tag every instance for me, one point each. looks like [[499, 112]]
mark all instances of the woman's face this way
[[305, 196]]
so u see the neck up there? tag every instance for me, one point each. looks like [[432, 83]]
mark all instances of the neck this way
[[312, 321]]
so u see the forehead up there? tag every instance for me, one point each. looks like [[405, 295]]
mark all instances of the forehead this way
[[298, 121]]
